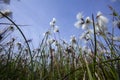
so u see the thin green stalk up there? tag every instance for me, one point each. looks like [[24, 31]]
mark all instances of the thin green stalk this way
[[88, 70], [95, 42], [21, 34]]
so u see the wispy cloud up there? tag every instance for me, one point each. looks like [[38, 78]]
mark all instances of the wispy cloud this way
[[114, 0]]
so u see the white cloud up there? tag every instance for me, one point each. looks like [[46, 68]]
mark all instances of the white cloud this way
[[114, 0]]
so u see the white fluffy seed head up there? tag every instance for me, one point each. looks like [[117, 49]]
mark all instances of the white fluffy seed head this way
[[79, 16]]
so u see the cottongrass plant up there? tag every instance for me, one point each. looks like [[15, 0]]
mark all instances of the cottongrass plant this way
[[57, 59]]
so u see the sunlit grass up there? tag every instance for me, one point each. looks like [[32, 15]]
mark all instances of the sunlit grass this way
[[57, 59]]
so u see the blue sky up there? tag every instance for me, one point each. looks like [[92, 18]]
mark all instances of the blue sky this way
[[38, 14]]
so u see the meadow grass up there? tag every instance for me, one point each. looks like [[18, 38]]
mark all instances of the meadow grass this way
[[56, 59]]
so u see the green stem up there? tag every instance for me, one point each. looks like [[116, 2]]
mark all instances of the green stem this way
[[21, 34], [95, 47]]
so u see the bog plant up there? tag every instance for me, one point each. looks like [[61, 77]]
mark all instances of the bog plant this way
[[55, 59]]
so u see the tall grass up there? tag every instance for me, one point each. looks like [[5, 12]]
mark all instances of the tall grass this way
[[56, 59]]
